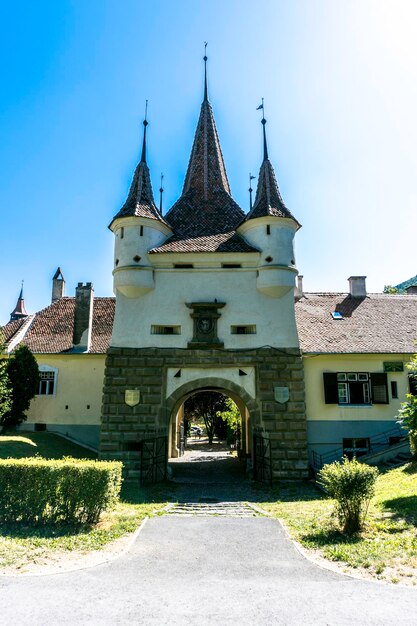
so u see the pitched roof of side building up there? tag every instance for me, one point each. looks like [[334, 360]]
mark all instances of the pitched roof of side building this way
[[379, 323]]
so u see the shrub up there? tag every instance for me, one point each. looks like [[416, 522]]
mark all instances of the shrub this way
[[23, 373], [352, 485], [74, 491], [407, 418]]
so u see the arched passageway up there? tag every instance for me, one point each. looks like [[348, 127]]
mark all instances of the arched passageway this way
[[205, 450]]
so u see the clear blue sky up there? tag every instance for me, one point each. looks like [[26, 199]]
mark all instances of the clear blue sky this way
[[340, 86]]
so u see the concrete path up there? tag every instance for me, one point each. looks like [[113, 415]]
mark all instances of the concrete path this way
[[206, 570]]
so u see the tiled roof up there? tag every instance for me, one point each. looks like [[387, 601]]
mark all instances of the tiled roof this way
[[411, 282], [375, 324], [8, 332], [205, 217], [52, 328], [140, 201], [268, 199], [220, 242], [379, 323]]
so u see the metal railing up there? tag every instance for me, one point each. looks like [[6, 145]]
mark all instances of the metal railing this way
[[377, 443]]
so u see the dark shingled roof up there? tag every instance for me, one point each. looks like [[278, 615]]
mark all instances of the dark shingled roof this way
[[51, 331], [9, 331], [375, 324], [205, 217], [268, 199], [140, 201]]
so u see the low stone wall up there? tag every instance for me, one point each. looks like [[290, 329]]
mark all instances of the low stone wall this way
[[145, 369]]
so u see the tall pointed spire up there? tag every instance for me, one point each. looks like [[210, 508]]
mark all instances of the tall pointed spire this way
[[206, 173], [19, 312], [268, 199], [140, 201]]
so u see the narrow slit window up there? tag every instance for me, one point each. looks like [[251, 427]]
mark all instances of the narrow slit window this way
[[141, 231], [231, 265], [394, 389], [268, 229], [183, 266], [248, 329], [122, 232], [157, 329]]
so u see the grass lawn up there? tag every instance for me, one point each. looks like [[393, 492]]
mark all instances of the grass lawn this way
[[386, 549], [23, 545], [47, 445]]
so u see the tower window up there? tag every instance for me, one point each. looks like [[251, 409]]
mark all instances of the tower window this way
[[269, 259], [268, 229], [183, 266], [249, 329], [231, 265], [136, 258], [122, 232], [394, 389], [141, 231], [157, 329]]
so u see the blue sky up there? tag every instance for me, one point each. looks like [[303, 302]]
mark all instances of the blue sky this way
[[340, 86]]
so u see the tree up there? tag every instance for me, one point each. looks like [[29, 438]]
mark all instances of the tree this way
[[390, 289], [407, 414], [5, 391], [206, 405], [23, 373], [231, 416]]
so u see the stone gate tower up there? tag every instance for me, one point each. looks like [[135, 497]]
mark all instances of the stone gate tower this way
[[205, 300]]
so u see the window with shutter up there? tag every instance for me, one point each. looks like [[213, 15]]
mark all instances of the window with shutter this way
[[379, 388]]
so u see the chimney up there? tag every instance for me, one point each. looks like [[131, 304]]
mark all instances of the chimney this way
[[357, 286], [411, 290], [299, 287], [83, 317], [58, 286]]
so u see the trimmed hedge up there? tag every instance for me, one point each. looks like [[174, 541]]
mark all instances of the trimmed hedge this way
[[68, 490]]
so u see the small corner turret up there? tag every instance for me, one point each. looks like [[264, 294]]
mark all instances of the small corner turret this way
[[138, 227], [270, 227], [19, 312]]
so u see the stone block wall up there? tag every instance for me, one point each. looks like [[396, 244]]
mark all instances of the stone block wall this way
[[145, 369]]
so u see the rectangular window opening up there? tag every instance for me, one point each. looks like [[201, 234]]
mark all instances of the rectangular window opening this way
[[157, 329], [183, 266], [249, 329], [268, 229], [355, 447], [122, 232], [394, 389], [357, 388], [231, 265], [141, 231], [46, 383]]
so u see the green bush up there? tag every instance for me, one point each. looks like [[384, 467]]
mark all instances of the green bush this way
[[352, 485], [73, 491]]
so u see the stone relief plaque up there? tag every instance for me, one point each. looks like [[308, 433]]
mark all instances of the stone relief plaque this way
[[281, 394], [205, 316], [132, 397]]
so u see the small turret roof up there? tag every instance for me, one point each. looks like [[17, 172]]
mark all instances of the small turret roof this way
[[19, 312], [268, 199], [140, 201]]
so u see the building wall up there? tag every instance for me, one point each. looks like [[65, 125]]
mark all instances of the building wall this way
[[328, 424], [245, 305], [79, 385], [147, 371]]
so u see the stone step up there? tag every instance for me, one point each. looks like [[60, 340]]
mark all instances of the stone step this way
[[212, 509]]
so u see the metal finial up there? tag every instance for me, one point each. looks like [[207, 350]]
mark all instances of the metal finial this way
[[161, 191], [251, 178], [145, 124], [205, 72], [263, 122]]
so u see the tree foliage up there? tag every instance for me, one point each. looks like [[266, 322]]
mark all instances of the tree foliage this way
[[23, 374], [352, 485], [5, 391], [207, 405], [407, 414], [390, 289], [231, 416]]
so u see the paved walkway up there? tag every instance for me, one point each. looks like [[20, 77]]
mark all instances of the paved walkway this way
[[206, 571], [212, 560]]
